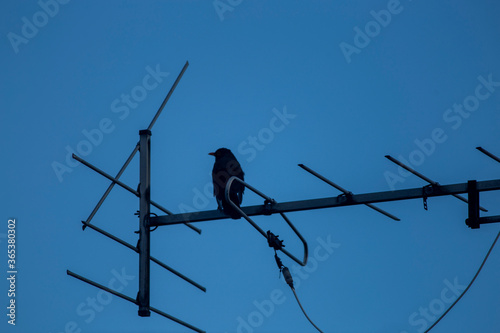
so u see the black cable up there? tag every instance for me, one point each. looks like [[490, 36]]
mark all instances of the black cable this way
[[305, 314], [277, 244], [289, 281], [470, 284]]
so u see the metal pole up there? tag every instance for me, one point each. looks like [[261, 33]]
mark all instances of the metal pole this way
[[144, 210], [300, 205], [489, 219], [473, 194]]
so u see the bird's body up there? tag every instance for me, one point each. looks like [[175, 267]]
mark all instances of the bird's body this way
[[225, 167]]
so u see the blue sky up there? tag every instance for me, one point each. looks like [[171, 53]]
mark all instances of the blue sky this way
[[335, 85]]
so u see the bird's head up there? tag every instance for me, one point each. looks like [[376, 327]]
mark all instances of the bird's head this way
[[221, 153]]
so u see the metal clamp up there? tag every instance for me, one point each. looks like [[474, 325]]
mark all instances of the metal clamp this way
[[426, 190], [344, 197], [269, 202]]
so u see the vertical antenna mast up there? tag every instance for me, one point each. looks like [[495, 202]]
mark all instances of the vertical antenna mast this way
[[144, 207]]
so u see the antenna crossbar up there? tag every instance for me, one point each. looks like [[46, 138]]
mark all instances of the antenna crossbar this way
[[355, 199]]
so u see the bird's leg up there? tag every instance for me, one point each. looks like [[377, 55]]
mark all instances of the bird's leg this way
[[219, 205]]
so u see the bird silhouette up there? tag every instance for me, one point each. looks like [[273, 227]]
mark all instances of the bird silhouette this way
[[225, 167]]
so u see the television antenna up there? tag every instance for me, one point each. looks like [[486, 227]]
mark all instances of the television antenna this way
[[269, 207]]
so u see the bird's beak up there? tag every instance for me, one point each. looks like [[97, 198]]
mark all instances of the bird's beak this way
[[213, 154]]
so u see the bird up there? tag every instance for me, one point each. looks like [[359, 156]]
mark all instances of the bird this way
[[225, 167]]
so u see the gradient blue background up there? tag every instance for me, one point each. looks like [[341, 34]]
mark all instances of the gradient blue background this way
[[244, 63]]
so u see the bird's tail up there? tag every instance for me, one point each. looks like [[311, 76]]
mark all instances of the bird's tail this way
[[229, 210]]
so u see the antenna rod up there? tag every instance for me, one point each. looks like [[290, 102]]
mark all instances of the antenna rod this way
[[168, 95], [153, 259], [130, 299], [430, 181], [136, 149], [341, 189], [102, 173], [125, 186], [487, 153], [110, 187]]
